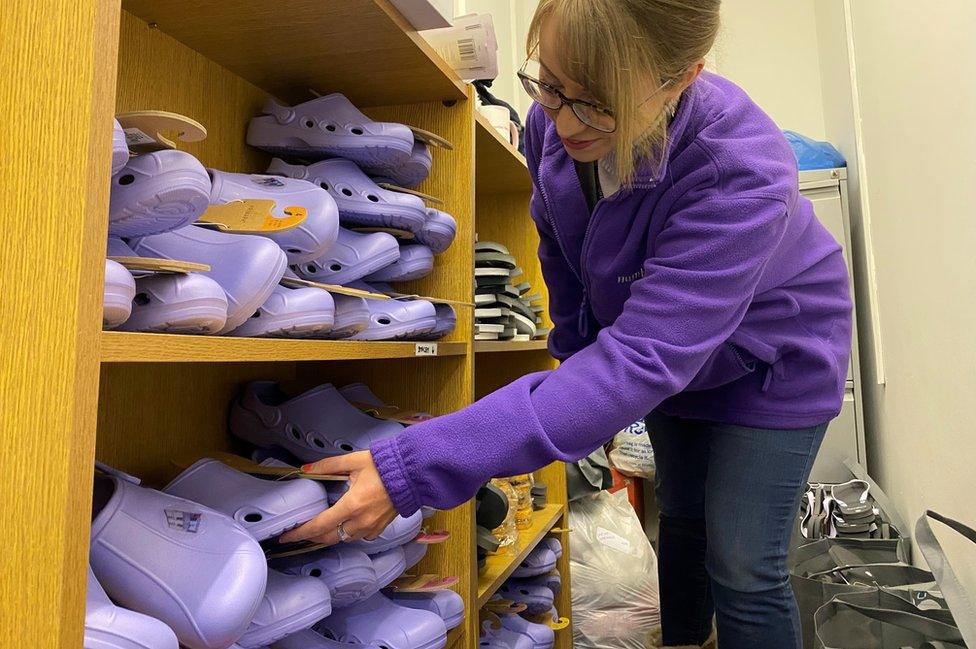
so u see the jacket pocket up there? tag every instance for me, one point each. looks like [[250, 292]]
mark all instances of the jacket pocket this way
[[727, 363]]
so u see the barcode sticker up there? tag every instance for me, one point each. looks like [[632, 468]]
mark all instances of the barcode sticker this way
[[466, 49], [426, 349]]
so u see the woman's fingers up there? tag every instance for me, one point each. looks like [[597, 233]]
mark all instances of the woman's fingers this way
[[322, 525], [339, 465]]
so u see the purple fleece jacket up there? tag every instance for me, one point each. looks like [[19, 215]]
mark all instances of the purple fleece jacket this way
[[707, 290]]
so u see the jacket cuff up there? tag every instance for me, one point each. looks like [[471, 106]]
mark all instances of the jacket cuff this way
[[386, 456]]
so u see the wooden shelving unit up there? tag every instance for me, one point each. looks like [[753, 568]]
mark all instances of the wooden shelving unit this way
[[136, 401], [485, 346], [121, 347], [500, 566]]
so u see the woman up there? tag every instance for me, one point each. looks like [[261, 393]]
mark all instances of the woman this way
[[688, 280]]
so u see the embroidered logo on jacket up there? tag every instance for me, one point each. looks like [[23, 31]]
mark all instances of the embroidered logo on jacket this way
[[633, 277]]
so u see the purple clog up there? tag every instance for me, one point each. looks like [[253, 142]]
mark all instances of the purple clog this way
[[108, 626], [353, 256], [291, 604], [157, 192], [307, 240], [184, 564], [351, 316], [400, 532], [413, 552], [415, 261], [445, 603], [540, 561], [120, 150], [361, 201], [439, 230], [378, 621], [538, 599], [319, 423], [314, 640], [553, 544], [396, 319], [504, 637], [329, 126], [360, 393], [542, 636], [389, 566], [408, 174], [189, 303], [120, 288], [248, 268], [348, 573], [265, 508], [446, 322], [291, 313]]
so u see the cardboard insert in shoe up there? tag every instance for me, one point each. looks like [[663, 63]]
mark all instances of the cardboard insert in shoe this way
[[392, 413], [296, 282], [161, 265], [422, 583], [413, 192], [245, 465], [403, 235], [504, 606], [252, 215], [152, 124]]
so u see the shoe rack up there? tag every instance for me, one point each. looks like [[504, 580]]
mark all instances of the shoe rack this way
[[71, 392]]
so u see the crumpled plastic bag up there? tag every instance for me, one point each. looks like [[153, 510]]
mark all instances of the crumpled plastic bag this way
[[632, 453], [614, 575]]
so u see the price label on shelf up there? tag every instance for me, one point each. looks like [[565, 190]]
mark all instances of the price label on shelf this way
[[426, 349]]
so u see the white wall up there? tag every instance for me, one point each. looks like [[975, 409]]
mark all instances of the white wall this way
[[918, 122]]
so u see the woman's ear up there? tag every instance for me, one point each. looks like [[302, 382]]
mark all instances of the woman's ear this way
[[688, 77]]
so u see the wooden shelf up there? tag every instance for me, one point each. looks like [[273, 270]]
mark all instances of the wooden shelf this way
[[123, 347], [501, 566], [510, 345], [499, 167], [362, 48]]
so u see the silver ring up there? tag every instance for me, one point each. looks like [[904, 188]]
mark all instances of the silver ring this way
[[343, 536]]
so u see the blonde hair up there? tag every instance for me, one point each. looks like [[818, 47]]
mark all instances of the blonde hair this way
[[613, 48]]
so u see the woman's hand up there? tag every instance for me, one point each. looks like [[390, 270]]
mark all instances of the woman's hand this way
[[364, 511]]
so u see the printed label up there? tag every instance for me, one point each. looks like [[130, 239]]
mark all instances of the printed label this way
[[184, 521], [426, 349], [613, 540], [135, 137], [253, 215], [267, 181]]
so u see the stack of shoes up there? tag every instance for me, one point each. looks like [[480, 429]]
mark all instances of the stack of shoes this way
[[845, 510], [504, 309], [352, 155]]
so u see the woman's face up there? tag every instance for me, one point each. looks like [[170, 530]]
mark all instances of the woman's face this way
[[582, 142]]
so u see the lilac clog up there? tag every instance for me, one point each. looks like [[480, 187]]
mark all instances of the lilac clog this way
[[542, 636], [389, 566], [551, 580], [157, 192], [290, 604], [408, 174], [360, 393], [351, 316], [348, 573], [445, 603], [540, 561], [329, 126], [184, 564], [505, 637], [552, 544], [396, 319], [415, 261], [248, 268], [353, 256], [307, 240], [177, 304], [120, 288], [439, 230], [538, 599], [313, 640], [400, 532], [446, 322], [291, 313], [361, 201], [265, 508], [319, 423], [108, 626], [413, 553], [120, 149], [378, 621]]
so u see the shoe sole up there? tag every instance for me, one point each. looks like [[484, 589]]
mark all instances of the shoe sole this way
[[281, 524], [400, 332], [248, 309], [406, 272], [294, 326], [284, 628], [98, 639], [358, 271], [380, 215], [367, 155], [349, 586], [171, 202], [351, 324], [437, 237], [116, 305], [204, 316]]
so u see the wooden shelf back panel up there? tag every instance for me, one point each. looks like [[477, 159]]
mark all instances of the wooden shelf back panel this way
[[486, 346], [362, 48], [501, 168]]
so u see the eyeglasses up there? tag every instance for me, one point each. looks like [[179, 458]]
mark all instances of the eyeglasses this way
[[591, 114]]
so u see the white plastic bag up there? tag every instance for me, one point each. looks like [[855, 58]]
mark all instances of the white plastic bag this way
[[614, 575], [632, 453]]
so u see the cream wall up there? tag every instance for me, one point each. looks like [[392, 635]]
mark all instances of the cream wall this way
[[918, 122]]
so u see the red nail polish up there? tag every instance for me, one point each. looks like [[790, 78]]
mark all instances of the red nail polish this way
[[307, 467]]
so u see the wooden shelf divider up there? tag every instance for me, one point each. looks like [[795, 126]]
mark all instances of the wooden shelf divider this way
[[500, 167]]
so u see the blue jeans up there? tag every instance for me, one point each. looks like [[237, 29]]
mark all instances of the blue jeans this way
[[728, 497]]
